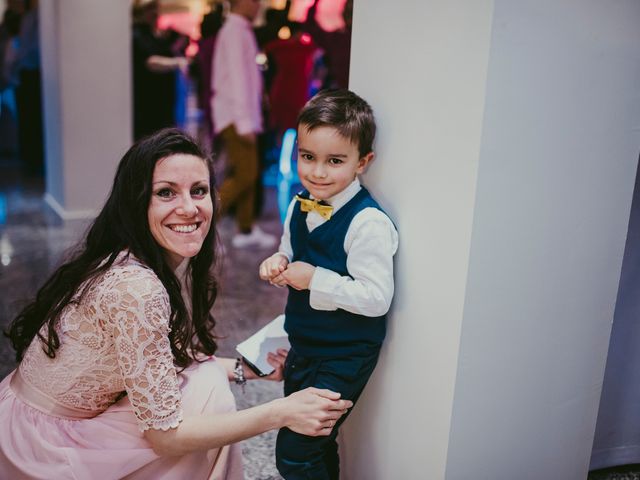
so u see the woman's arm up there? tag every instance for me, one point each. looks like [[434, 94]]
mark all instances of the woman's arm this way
[[139, 312], [311, 412]]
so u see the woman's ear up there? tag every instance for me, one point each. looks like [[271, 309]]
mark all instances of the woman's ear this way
[[364, 161]]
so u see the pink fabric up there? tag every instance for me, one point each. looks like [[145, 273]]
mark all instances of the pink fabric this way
[[43, 402], [237, 81], [114, 338], [37, 445]]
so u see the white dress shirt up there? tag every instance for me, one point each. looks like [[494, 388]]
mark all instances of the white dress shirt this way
[[370, 244], [236, 81]]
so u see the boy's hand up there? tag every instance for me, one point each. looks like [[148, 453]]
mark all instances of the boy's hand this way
[[276, 360], [297, 275], [272, 267]]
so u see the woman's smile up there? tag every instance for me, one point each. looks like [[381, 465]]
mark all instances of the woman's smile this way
[[184, 229]]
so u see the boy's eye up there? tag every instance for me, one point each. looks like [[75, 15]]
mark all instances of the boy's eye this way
[[200, 191], [335, 161]]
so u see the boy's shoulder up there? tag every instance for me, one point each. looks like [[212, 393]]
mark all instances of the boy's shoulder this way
[[368, 212], [365, 200]]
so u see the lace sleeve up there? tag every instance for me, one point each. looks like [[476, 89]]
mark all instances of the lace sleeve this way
[[139, 313]]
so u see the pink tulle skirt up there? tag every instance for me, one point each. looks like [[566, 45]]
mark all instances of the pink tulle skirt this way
[[34, 444]]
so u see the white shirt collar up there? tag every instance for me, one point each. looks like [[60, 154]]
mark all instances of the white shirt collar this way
[[341, 198]]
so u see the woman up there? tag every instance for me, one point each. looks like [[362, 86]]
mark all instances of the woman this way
[[117, 376]]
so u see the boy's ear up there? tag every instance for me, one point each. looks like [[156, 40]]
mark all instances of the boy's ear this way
[[364, 161]]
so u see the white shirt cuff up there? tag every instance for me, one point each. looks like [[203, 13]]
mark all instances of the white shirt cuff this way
[[321, 289]]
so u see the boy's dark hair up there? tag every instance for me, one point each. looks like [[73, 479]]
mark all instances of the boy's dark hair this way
[[345, 111]]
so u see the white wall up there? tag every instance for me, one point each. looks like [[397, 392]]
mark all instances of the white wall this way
[[86, 63], [507, 152], [427, 90]]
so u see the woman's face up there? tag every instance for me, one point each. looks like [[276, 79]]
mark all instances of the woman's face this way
[[180, 209]]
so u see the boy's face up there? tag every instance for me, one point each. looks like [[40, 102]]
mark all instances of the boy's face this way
[[327, 161]]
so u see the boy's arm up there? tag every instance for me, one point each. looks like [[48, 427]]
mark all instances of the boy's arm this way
[[370, 243], [271, 267], [285, 241]]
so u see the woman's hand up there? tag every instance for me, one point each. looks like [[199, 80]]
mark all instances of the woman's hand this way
[[313, 411], [276, 360]]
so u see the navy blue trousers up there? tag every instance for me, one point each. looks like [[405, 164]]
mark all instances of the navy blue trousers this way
[[301, 457]]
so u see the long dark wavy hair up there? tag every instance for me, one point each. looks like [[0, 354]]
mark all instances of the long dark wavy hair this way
[[123, 225]]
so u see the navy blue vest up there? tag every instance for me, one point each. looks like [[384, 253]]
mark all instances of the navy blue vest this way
[[317, 333]]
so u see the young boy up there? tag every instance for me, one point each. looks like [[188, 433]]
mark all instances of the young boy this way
[[336, 257]]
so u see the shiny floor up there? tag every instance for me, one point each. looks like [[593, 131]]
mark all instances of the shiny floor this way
[[33, 240]]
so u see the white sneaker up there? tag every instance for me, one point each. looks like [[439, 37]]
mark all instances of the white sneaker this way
[[255, 238]]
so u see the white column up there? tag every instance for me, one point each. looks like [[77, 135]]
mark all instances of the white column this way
[[507, 151], [86, 68], [423, 67]]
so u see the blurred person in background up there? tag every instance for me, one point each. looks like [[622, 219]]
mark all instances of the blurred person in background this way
[[26, 69], [201, 68], [291, 66], [157, 56], [274, 20], [237, 118], [9, 30], [336, 45]]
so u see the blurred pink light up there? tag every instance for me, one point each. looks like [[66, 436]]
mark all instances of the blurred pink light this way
[[184, 22], [328, 13]]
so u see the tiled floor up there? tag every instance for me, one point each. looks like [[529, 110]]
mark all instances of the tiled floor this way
[[627, 472], [33, 240]]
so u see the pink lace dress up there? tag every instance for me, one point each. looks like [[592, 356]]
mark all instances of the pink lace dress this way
[[67, 418]]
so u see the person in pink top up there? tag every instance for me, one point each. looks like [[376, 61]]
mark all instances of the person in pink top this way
[[237, 118], [117, 375]]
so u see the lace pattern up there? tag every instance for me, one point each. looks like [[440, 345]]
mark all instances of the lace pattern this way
[[114, 339]]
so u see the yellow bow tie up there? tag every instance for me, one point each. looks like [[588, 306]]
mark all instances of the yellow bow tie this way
[[308, 205]]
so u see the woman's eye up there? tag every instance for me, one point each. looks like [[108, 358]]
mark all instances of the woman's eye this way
[[200, 191], [164, 193]]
